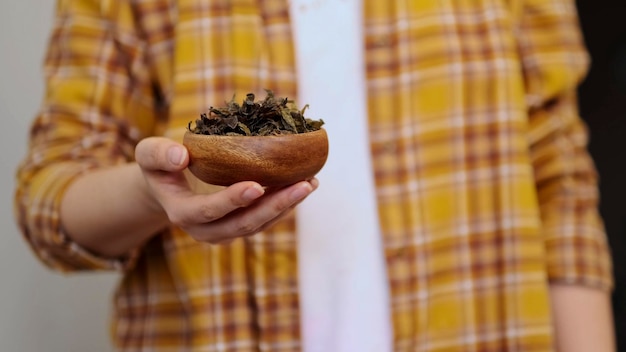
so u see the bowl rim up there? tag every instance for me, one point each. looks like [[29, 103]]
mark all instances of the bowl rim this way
[[285, 135]]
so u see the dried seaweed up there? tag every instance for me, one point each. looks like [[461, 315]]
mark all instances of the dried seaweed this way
[[271, 116]]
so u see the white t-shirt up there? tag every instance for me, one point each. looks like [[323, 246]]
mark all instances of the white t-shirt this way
[[343, 282]]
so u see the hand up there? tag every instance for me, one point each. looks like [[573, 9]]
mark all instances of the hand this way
[[242, 209]]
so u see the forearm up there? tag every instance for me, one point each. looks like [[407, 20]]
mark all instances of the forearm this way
[[110, 211], [582, 318]]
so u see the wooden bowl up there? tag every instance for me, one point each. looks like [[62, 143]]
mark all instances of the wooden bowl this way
[[272, 161]]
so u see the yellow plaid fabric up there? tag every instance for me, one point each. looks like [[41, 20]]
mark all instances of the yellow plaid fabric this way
[[485, 190]]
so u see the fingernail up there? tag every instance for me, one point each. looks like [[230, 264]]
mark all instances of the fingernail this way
[[252, 193], [302, 191], [176, 155]]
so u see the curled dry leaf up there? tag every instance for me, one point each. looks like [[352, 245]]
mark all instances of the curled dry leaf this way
[[269, 117]]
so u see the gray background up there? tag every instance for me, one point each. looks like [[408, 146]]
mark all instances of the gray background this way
[[39, 310]]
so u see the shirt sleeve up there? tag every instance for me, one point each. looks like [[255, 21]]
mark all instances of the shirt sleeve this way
[[94, 80], [554, 61]]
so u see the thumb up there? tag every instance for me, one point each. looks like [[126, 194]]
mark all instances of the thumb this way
[[161, 154]]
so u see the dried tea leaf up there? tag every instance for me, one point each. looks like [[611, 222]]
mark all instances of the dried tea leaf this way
[[244, 128], [288, 122], [231, 121], [271, 116], [314, 124]]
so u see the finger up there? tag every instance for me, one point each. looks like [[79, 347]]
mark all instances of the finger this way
[[314, 183], [250, 220], [186, 211], [162, 161], [161, 154]]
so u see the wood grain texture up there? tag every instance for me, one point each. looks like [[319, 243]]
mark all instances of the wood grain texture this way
[[272, 161]]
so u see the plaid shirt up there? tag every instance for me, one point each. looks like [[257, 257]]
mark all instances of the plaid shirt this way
[[485, 190]]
